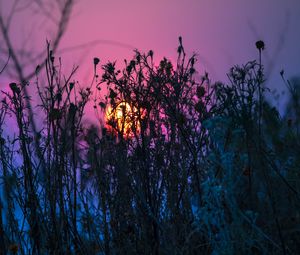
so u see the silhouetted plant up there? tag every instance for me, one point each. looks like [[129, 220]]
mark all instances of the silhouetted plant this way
[[181, 166]]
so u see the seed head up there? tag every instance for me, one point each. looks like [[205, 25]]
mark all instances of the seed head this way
[[260, 45], [96, 61], [150, 53], [13, 86]]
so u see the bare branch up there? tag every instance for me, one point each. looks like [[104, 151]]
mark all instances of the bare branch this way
[[18, 66], [6, 63]]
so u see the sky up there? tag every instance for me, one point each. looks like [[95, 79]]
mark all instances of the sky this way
[[222, 33]]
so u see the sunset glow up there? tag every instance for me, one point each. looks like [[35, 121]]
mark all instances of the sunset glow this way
[[123, 119]]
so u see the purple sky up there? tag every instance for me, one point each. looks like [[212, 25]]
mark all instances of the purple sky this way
[[222, 32]]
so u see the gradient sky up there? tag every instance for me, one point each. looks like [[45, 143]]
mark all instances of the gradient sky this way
[[222, 32]]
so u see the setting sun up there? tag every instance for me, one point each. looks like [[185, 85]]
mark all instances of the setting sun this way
[[123, 118]]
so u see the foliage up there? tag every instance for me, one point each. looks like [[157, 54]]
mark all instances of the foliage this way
[[200, 168]]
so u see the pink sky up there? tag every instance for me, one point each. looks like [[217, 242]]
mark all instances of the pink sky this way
[[222, 32]]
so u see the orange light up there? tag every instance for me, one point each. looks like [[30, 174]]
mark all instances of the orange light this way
[[123, 118]]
